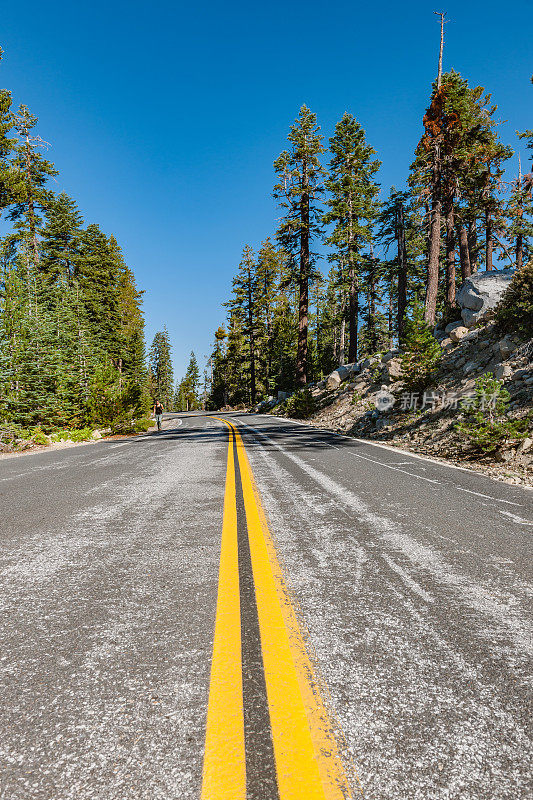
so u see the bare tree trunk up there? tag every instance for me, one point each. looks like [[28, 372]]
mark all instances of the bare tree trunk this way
[[353, 296], [519, 251], [472, 245], [488, 240], [390, 318], [450, 255], [402, 269], [440, 14], [519, 248], [464, 254], [342, 339], [432, 284], [353, 317], [31, 207], [269, 343]]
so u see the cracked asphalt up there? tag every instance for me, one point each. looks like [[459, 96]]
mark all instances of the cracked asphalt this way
[[412, 581]]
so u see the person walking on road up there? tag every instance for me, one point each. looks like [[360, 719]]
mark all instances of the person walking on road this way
[[158, 411]]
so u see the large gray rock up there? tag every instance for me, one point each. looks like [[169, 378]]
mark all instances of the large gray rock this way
[[482, 292], [341, 374]]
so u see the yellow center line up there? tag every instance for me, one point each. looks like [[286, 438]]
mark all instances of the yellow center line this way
[[308, 763], [224, 775]]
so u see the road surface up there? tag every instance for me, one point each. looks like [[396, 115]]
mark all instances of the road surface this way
[[255, 609]]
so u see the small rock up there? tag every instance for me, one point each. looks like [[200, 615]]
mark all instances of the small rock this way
[[525, 445], [502, 372], [521, 374], [458, 333], [452, 325], [392, 370], [96, 435], [389, 355], [504, 456], [506, 346]]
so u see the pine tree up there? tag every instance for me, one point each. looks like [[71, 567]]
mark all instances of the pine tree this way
[[353, 207], [34, 171], [98, 275], [237, 372], [8, 176], [459, 154], [268, 274], [421, 352], [244, 305], [61, 239], [298, 191], [190, 386], [162, 374], [217, 360], [401, 226], [519, 213]]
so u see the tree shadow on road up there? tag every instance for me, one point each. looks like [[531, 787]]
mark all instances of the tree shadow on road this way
[[270, 434]]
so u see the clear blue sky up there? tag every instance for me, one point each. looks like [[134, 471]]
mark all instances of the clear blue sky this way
[[165, 118]]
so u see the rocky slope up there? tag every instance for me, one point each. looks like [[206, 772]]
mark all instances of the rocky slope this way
[[356, 400]]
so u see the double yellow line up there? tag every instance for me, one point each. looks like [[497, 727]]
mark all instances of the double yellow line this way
[[308, 764]]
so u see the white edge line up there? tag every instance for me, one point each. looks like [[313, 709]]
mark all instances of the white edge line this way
[[390, 466], [396, 449]]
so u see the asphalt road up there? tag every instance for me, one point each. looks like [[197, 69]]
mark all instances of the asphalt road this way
[[409, 585]]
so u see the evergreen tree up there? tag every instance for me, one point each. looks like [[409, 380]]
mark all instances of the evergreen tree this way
[[162, 375], [31, 195], [459, 154], [519, 214], [8, 176], [190, 386], [298, 191], [353, 207], [98, 275], [421, 352], [401, 226], [61, 239], [244, 305], [268, 274], [217, 360]]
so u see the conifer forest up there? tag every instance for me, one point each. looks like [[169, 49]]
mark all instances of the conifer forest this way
[[395, 257]]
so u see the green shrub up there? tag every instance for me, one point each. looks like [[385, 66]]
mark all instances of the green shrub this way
[[40, 438], [421, 354], [122, 427], [79, 435], [300, 405], [514, 313], [142, 425], [487, 424]]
